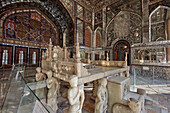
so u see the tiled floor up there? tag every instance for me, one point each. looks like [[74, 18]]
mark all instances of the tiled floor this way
[[157, 99], [4, 84], [158, 93], [11, 91]]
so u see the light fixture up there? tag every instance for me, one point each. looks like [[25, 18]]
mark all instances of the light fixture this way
[[108, 8]]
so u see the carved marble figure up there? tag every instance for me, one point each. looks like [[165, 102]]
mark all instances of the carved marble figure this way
[[53, 88], [75, 96], [81, 90], [107, 56], [39, 75], [102, 97]]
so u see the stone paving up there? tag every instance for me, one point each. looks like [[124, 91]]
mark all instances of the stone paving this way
[[157, 98], [158, 93]]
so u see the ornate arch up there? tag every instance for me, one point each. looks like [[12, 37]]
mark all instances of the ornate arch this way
[[54, 10], [98, 29], [160, 28], [119, 49], [30, 26], [125, 25]]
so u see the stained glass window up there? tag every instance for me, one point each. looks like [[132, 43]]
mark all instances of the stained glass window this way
[[34, 58], [5, 57], [30, 26], [21, 57]]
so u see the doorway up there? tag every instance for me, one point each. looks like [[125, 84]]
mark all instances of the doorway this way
[[119, 50]]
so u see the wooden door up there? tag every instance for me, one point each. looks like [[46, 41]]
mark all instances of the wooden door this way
[[120, 48]]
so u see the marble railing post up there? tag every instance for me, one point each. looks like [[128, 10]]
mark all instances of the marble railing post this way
[[50, 50], [13, 56], [121, 74], [88, 59], [107, 56], [126, 73]]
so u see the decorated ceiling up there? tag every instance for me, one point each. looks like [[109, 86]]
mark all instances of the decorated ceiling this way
[[98, 4]]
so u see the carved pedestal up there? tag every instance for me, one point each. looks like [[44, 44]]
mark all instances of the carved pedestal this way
[[117, 89]]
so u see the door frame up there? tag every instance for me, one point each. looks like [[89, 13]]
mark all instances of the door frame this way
[[115, 54]]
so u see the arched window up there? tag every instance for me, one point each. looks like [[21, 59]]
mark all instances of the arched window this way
[[21, 57], [87, 37], [34, 57], [5, 57], [158, 24]]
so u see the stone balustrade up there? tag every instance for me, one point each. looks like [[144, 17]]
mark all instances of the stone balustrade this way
[[110, 63]]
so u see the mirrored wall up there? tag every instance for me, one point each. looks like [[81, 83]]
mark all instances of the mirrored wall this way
[[157, 50]]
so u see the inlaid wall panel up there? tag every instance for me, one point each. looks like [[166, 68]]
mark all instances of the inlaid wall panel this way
[[98, 36], [30, 27]]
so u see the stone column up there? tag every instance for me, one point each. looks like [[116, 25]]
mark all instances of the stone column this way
[[145, 20], [168, 48], [40, 58], [64, 37], [75, 23], [104, 41], [50, 50], [13, 59], [28, 54], [93, 38]]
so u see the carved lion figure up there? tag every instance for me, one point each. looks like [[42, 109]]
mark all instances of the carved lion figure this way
[[132, 107]]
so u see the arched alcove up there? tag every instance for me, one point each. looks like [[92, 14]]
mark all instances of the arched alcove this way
[[119, 50], [54, 11], [88, 35], [125, 25], [98, 37]]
